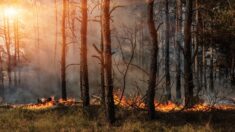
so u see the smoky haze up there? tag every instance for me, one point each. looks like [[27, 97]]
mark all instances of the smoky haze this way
[[40, 69], [40, 66]]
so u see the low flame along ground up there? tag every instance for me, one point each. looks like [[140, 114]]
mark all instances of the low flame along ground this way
[[50, 104], [169, 106], [130, 104]]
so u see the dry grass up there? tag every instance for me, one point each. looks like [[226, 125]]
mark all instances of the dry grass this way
[[91, 119]]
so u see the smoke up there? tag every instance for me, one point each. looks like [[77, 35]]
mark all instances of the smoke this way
[[40, 62]]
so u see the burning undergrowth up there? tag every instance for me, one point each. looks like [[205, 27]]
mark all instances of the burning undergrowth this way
[[47, 103], [124, 102], [169, 106]]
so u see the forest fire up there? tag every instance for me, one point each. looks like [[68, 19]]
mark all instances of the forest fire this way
[[127, 103], [131, 65], [170, 106], [47, 103]]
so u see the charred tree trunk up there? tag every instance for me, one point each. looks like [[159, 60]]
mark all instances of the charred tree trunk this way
[[63, 52], [153, 61], [167, 52], [188, 73], [179, 44], [83, 59], [109, 102]]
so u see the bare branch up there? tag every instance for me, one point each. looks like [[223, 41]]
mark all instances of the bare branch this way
[[71, 65], [97, 49], [158, 27], [97, 57], [114, 8]]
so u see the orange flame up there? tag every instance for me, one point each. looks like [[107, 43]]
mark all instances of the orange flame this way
[[129, 103], [50, 104], [137, 102]]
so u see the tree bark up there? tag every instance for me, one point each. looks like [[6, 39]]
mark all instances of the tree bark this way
[[7, 43], [83, 57], [153, 61], [2, 92], [199, 42], [63, 52], [102, 81], [167, 52], [16, 49], [109, 102], [57, 76], [188, 73], [56, 30], [179, 43], [211, 72], [204, 66]]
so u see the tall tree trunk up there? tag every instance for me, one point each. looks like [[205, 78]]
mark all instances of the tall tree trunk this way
[[56, 30], [188, 73], [211, 71], [233, 70], [83, 59], [16, 37], [56, 45], [110, 111], [153, 61], [179, 43], [18, 54], [204, 66], [199, 44], [167, 52], [211, 85], [63, 52], [7, 43], [102, 83], [2, 92]]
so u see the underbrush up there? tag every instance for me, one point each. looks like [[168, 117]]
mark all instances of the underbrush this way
[[92, 119]]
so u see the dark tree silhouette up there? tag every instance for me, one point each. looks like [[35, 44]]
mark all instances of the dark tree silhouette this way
[[7, 43], [179, 44], [109, 102], [83, 58], [63, 52], [153, 61], [188, 73], [167, 52]]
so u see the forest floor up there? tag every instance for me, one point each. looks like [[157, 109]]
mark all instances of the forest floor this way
[[92, 119]]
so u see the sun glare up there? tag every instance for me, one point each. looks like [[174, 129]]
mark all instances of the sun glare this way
[[10, 12]]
